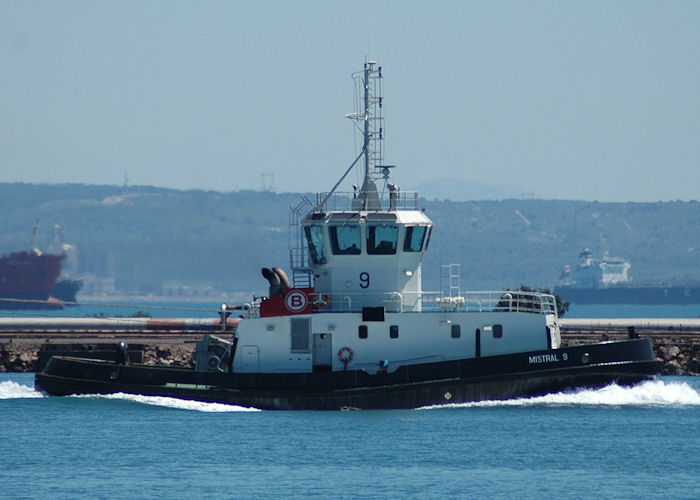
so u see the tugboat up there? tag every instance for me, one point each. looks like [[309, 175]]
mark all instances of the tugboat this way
[[353, 328]]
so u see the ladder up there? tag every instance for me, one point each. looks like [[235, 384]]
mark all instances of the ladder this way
[[302, 276], [450, 280]]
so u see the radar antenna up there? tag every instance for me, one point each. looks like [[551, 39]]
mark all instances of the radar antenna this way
[[370, 121]]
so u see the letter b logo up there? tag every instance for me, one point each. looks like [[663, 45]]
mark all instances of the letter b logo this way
[[296, 301]]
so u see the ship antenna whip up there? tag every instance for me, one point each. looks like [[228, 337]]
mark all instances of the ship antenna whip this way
[[323, 202], [366, 117]]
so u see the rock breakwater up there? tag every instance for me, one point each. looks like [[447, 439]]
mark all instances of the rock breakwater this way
[[24, 357], [680, 354]]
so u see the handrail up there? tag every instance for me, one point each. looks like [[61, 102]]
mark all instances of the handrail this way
[[391, 296], [471, 301], [342, 201]]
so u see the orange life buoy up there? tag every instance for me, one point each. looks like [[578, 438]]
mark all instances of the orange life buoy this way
[[345, 354]]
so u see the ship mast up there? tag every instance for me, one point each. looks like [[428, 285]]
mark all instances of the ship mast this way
[[366, 133], [370, 121], [35, 249]]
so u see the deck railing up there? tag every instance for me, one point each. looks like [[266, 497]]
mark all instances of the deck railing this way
[[490, 301], [472, 301], [342, 201]]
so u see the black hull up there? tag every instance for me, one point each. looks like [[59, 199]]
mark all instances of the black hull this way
[[66, 290], [496, 377]]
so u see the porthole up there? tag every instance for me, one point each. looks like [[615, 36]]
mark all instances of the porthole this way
[[362, 331], [497, 331]]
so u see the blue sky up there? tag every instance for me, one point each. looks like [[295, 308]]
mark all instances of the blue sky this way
[[568, 100]]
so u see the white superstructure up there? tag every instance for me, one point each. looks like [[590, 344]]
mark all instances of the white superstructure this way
[[356, 301], [596, 273]]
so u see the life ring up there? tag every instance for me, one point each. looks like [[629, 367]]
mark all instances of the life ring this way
[[345, 355]]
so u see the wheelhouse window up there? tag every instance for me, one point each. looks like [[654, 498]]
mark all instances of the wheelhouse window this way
[[414, 238], [427, 240], [381, 240], [317, 248], [345, 240]]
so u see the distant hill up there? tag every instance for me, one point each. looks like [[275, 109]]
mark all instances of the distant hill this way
[[461, 190], [155, 240]]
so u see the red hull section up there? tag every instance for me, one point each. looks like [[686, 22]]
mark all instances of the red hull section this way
[[294, 301], [27, 279]]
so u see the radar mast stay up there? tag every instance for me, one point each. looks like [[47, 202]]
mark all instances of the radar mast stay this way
[[369, 120]]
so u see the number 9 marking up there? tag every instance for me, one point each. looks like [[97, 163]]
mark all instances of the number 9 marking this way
[[364, 280]]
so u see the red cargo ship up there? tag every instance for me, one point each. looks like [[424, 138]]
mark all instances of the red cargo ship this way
[[27, 280]]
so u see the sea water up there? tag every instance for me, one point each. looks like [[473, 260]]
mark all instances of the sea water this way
[[615, 442]]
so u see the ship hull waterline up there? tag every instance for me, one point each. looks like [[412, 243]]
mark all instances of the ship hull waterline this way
[[448, 382]]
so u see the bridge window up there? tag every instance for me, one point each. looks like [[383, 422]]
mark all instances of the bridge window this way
[[414, 238], [381, 240], [427, 240], [345, 240], [317, 249]]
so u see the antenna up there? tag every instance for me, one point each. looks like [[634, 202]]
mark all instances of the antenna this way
[[368, 118], [35, 249]]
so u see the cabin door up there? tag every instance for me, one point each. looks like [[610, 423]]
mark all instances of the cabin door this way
[[322, 351], [249, 358]]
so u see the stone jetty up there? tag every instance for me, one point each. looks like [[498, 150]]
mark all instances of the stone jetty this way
[[676, 342]]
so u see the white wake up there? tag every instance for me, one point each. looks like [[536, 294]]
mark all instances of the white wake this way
[[167, 402], [651, 393], [12, 390]]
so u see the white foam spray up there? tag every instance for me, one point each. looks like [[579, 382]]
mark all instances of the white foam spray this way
[[651, 393], [12, 390], [166, 402]]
